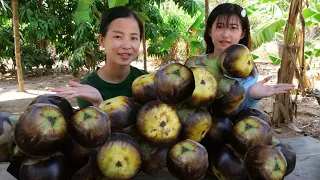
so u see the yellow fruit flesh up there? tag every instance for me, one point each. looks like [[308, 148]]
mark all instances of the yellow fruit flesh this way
[[142, 80], [119, 160], [196, 131], [161, 125], [245, 64], [206, 85], [113, 103]]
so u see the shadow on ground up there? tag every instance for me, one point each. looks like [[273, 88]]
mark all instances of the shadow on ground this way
[[11, 105]]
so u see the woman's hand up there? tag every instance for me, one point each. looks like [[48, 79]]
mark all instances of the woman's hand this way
[[77, 90], [260, 90]]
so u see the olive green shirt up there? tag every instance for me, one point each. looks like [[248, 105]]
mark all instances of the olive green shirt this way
[[109, 90]]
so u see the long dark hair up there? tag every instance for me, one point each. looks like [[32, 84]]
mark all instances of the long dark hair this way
[[227, 10], [118, 12]]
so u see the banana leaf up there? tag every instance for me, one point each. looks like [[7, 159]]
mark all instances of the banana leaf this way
[[196, 24], [275, 60], [168, 41], [267, 32]]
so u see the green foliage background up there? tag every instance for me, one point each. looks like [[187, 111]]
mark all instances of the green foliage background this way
[[67, 30]]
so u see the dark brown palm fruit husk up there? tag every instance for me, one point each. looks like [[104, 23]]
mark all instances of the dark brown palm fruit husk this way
[[59, 101], [122, 112], [219, 133], [224, 164], [143, 89], [263, 162], [188, 160], [90, 127], [289, 154], [252, 112], [249, 132], [53, 167], [41, 130], [174, 83]]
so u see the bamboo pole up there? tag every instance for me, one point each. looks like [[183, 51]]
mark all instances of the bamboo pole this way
[[17, 44], [144, 47], [206, 10]]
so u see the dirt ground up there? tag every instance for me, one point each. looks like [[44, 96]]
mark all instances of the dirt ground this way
[[36, 83], [308, 111]]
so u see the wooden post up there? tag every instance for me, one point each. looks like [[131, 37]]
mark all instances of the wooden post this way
[[144, 47], [206, 10], [17, 44]]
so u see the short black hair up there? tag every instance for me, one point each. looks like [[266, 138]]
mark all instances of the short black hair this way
[[227, 10], [118, 12]]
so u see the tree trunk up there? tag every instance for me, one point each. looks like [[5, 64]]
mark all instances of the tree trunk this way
[[17, 44], [144, 47], [42, 43], [206, 10], [284, 107]]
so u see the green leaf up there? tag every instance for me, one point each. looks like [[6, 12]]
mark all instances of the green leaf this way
[[275, 60], [251, 9], [308, 12], [268, 1], [309, 23], [154, 50], [152, 31], [200, 32], [316, 17], [317, 7], [196, 24], [143, 16], [254, 56], [158, 2], [29, 14], [168, 41], [155, 16], [317, 54], [309, 53], [190, 6], [308, 44], [82, 11], [200, 4], [114, 3], [267, 32], [195, 43]]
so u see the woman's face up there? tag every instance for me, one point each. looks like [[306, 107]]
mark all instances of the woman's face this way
[[225, 32], [122, 41]]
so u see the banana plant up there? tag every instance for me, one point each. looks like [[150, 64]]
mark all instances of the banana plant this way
[[264, 32], [312, 20], [311, 15]]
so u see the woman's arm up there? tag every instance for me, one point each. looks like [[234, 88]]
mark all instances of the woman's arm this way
[[259, 90], [249, 101]]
